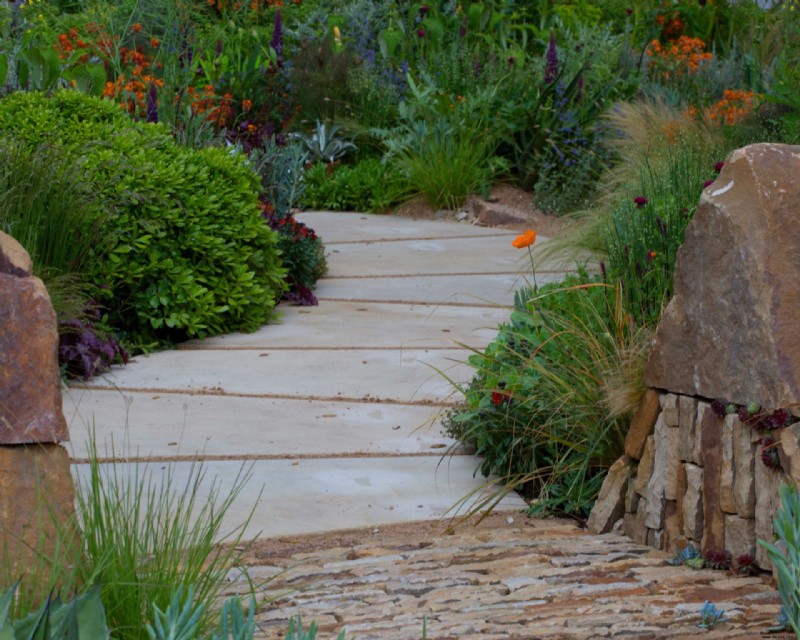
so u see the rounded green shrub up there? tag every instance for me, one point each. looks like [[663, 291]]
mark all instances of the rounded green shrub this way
[[185, 252]]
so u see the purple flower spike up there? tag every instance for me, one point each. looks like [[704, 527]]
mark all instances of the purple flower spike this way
[[152, 103], [277, 38], [551, 61]]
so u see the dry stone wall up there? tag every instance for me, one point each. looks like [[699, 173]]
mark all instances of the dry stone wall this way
[[717, 431], [694, 475]]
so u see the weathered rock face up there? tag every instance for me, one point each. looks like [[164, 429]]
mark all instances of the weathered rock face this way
[[30, 394], [36, 499], [36, 490], [731, 329]]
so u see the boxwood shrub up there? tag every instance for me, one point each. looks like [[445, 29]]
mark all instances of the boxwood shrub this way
[[186, 252]]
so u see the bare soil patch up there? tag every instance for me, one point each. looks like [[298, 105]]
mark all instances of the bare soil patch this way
[[503, 194], [268, 550]]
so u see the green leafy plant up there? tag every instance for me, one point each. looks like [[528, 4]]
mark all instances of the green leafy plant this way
[[323, 144], [645, 231], [181, 619], [689, 552], [82, 618], [785, 554], [369, 185], [145, 539], [536, 409], [234, 624], [445, 163], [184, 250], [302, 252]]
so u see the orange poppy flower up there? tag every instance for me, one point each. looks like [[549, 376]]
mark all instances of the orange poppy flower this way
[[524, 239]]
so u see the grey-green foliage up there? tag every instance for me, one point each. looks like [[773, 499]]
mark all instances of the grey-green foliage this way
[[233, 623], [787, 562], [281, 170], [324, 145], [309, 634], [82, 618], [182, 619], [710, 615]]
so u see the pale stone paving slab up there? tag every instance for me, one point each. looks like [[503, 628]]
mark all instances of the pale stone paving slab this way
[[342, 324], [335, 227], [294, 497], [491, 290], [325, 403], [447, 256], [405, 375], [171, 424]]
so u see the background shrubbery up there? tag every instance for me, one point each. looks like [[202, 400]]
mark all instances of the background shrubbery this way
[[179, 248]]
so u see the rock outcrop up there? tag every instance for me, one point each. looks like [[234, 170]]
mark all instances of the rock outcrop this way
[[30, 393], [708, 472], [36, 489], [731, 329]]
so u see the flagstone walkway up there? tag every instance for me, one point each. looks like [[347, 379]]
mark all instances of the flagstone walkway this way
[[507, 579], [334, 412]]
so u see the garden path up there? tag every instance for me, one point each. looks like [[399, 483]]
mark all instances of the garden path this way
[[334, 410]]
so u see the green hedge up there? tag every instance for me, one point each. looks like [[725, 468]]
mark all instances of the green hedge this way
[[186, 252]]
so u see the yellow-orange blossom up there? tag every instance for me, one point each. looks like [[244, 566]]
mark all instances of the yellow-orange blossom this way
[[524, 239]]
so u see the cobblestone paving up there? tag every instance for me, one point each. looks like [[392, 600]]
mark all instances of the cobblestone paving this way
[[525, 580]]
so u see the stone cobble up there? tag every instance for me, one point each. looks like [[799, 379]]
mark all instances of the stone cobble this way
[[517, 581]]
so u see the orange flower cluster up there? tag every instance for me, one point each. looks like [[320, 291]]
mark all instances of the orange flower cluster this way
[[735, 105], [130, 87], [671, 28], [69, 43], [678, 57], [255, 5], [524, 239], [219, 110]]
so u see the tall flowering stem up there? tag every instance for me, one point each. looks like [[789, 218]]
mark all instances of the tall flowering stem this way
[[551, 61], [152, 103], [526, 241], [277, 38]]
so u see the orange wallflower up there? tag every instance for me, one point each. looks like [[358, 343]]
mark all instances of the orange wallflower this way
[[677, 57], [734, 106], [524, 239]]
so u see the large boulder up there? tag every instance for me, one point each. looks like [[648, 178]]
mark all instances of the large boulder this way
[[731, 330], [30, 393], [36, 490], [37, 525]]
